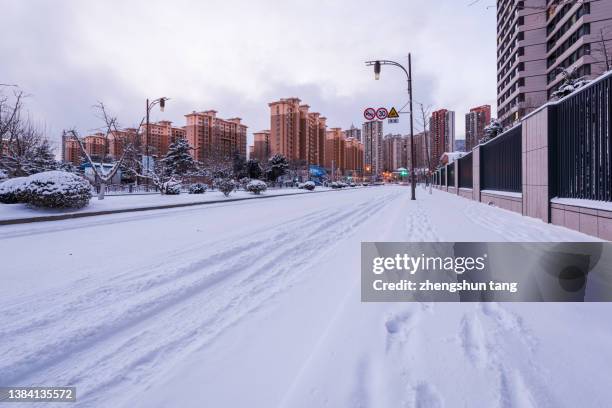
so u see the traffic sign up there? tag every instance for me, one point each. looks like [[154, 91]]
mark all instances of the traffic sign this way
[[393, 120], [393, 113], [369, 114], [382, 113]]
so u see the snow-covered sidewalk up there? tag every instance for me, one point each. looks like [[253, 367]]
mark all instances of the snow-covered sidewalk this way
[[257, 303]]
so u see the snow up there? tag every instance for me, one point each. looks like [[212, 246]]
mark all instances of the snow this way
[[503, 193], [257, 303], [123, 202], [579, 202]]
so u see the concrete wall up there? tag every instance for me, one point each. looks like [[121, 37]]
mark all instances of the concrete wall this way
[[586, 220], [507, 202], [536, 198], [466, 193]]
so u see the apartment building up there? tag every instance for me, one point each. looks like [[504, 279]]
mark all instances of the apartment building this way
[[353, 132], [475, 123], [261, 146], [297, 133], [394, 152], [372, 138], [578, 39], [335, 151], [442, 134], [211, 136]]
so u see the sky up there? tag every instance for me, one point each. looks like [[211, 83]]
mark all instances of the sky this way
[[237, 56]]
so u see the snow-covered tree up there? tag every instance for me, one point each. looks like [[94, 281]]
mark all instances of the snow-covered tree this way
[[571, 82], [278, 166], [42, 159], [178, 161], [253, 169], [493, 130], [225, 185], [238, 166]]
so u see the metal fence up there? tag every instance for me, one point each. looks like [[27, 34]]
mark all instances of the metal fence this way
[[581, 152], [464, 167], [500, 162], [451, 174]]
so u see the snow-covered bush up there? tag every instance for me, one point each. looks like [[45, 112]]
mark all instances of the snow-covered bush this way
[[256, 186], [335, 184], [300, 185], [172, 189], [225, 185], [198, 188], [244, 182], [3, 175], [12, 190], [57, 189], [309, 185]]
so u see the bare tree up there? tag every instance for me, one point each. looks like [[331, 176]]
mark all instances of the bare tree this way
[[601, 46], [425, 112], [110, 126], [10, 116]]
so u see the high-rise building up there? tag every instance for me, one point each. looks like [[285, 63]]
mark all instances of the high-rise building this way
[[118, 139], [475, 123], [537, 39], [211, 136], [353, 158], [394, 152], [442, 134], [95, 146], [521, 58], [353, 132], [420, 151], [335, 151], [71, 151], [321, 138], [297, 133], [161, 135], [578, 38], [372, 139], [261, 146]]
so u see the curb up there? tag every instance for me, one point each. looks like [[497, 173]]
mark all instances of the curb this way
[[59, 217]]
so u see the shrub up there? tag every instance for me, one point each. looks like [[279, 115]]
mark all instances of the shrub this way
[[198, 188], [3, 175], [12, 191], [172, 189], [309, 185], [57, 189], [256, 187], [225, 185]]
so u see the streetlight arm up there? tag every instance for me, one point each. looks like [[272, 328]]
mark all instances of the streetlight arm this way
[[388, 62]]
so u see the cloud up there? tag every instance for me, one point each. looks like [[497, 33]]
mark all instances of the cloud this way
[[236, 56]]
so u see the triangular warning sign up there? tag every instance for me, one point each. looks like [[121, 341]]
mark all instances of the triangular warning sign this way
[[393, 113]]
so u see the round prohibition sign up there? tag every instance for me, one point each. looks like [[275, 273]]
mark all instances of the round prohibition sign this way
[[369, 114], [382, 113]]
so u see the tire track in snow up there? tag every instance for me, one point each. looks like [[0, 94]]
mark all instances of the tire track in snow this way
[[130, 352]]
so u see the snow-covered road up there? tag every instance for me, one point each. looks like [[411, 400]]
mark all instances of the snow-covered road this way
[[257, 304]]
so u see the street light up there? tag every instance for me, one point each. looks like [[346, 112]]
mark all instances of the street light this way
[[162, 104], [377, 67]]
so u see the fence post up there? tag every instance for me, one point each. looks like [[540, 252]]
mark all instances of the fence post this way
[[476, 173], [535, 162]]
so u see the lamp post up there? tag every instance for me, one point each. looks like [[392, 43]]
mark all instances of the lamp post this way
[[377, 68], [162, 104]]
